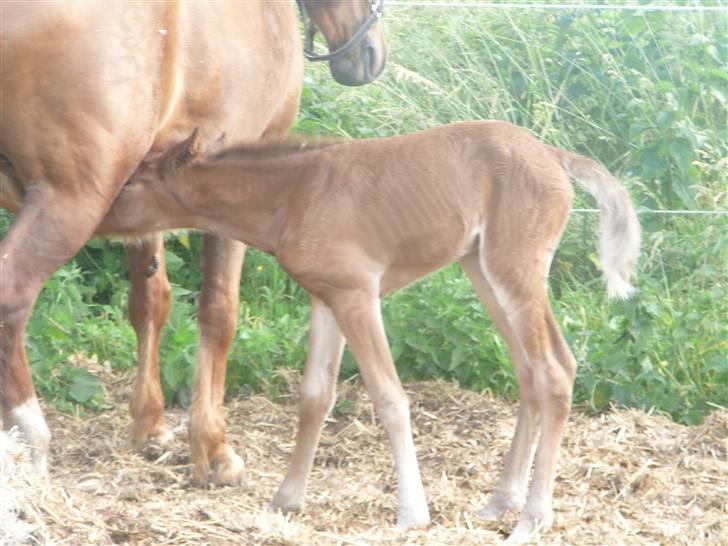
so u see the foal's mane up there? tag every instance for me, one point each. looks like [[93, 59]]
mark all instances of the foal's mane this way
[[275, 149]]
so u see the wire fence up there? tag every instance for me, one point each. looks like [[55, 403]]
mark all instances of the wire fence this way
[[664, 211], [559, 6]]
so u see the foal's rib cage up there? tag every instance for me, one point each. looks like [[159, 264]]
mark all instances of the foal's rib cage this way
[[354, 220]]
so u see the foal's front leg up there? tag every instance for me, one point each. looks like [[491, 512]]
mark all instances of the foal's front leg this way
[[359, 317], [318, 392]]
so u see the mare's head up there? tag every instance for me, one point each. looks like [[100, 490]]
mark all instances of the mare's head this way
[[353, 31]]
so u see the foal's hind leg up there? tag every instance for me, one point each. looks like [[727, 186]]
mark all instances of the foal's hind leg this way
[[510, 491], [318, 393], [222, 261], [553, 369], [149, 303], [545, 369]]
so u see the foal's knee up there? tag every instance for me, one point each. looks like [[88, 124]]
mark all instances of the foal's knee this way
[[392, 407], [316, 400]]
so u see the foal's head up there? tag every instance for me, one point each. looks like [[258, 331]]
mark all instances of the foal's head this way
[[153, 189], [161, 168]]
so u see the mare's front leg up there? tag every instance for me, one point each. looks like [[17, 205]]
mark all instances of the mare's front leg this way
[[149, 303], [47, 232], [213, 458], [318, 393], [359, 316]]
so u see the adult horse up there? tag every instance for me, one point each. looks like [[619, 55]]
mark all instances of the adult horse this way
[[87, 89]]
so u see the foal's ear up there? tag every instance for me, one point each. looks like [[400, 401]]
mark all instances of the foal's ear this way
[[183, 154], [217, 146]]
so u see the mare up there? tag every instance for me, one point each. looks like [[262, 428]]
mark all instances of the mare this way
[[87, 90], [354, 220]]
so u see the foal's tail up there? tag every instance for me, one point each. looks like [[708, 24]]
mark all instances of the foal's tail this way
[[620, 229]]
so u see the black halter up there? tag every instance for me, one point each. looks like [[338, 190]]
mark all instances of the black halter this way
[[377, 8]]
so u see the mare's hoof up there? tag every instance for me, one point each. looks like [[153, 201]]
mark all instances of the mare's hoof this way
[[152, 443], [227, 467]]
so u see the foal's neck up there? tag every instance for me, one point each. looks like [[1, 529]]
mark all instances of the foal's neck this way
[[245, 193]]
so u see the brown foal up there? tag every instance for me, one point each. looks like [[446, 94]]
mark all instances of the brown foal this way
[[353, 220]]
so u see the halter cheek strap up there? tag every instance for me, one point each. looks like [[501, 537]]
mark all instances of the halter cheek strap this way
[[377, 10]]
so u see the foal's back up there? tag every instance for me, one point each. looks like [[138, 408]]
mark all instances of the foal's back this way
[[409, 205]]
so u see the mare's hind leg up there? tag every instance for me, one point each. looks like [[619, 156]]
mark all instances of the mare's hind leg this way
[[318, 393], [222, 261], [510, 491], [149, 303], [516, 290], [47, 232]]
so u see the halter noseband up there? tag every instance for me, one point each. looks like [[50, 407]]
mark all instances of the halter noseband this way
[[377, 10]]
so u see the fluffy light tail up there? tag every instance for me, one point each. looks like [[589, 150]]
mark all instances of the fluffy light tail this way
[[619, 226]]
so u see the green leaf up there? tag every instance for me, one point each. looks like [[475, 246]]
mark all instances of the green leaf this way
[[84, 386], [663, 86], [184, 239], [684, 192], [652, 223], [683, 153], [174, 262], [601, 395], [665, 120], [718, 363]]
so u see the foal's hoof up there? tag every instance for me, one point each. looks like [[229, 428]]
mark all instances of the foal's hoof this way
[[227, 467], [498, 505], [284, 507], [491, 513], [528, 529], [412, 519], [286, 501]]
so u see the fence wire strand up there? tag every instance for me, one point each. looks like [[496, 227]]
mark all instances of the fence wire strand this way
[[561, 6], [664, 211]]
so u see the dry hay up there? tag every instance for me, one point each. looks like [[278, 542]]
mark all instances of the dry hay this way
[[626, 477]]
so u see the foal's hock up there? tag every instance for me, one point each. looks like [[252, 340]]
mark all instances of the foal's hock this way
[[353, 220]]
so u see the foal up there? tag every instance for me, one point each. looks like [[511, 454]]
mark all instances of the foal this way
[[354, 220]]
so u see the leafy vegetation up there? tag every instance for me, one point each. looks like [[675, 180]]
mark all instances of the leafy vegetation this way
[[645, 93]]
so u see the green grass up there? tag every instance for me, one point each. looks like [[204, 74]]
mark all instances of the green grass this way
[[643, 93]]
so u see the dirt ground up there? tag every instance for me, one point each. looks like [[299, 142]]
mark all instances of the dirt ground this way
[[625, 477]]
